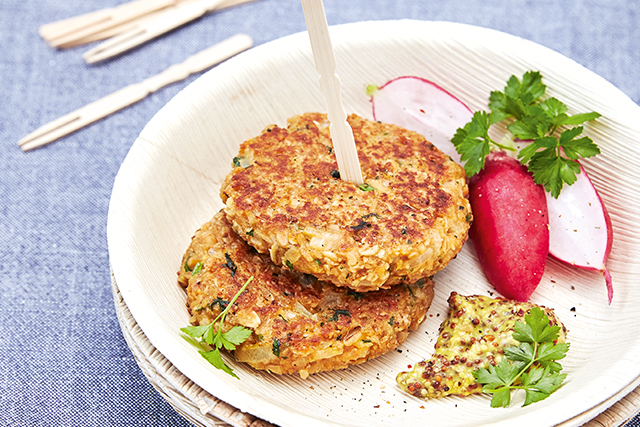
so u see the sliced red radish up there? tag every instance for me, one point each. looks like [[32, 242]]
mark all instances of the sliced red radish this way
[[421, 106], [580, 232], [580, 228]]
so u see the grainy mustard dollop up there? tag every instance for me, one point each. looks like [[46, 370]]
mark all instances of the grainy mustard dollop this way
[[474, 335]]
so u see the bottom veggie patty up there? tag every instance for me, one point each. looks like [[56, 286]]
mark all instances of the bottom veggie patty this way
[[300, 324]]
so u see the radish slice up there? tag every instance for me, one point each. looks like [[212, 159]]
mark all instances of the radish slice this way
[[580, 232], [421, 106]]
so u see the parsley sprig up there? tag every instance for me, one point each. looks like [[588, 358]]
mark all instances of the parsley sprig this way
[[531, 366], [210, 342], [551, 156]]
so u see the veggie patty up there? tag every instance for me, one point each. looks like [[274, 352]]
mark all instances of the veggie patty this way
[[285, 197], [299, 324]]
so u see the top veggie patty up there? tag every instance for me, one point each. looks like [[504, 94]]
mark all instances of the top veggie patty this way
[[285, 198]]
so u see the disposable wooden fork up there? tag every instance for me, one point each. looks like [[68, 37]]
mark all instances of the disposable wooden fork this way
[[68, 31], [134, 93], [170, 18], [105, 23], [341, 133]]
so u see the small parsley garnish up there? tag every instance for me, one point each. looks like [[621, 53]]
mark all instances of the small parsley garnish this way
[[242, 162], [275, 347], [372, 214], [230, 264], [197, 268], [361, 225], [366, 187], [283, 318], [356, 295], [222, 303], [337, 313], [531, 366], [552, 154], [186, 264], [204, 337]]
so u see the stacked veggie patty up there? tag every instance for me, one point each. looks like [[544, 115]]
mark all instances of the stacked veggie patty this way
[[300, 324], [407, 221], [341, 272]]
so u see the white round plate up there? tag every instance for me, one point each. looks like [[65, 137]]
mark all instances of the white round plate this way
[[168, 187]]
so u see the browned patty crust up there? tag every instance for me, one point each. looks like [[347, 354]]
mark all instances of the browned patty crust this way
[[300, 325], [284, 196]]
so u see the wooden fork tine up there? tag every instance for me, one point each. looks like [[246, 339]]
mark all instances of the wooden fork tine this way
[[51, 131], [121, 14], [171, 18], [113, 31], [54, 30]]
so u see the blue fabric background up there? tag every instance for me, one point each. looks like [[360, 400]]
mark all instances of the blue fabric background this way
[[63, 360]]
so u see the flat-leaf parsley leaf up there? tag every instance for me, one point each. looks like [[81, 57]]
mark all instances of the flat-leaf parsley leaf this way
[[551, 155], [209, 342], [531, 366]]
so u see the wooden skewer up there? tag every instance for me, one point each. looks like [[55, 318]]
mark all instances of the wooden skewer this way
[[341, 133]]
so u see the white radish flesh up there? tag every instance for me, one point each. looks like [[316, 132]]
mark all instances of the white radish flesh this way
[[424, 107], [580, 232]]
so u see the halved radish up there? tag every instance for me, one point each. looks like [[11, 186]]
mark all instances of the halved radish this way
[[580, 232], [421, 106], [510, 229]]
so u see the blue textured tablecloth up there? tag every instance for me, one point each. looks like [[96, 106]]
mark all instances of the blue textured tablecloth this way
[[63, 359]]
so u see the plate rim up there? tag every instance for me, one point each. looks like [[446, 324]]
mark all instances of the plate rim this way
[[236, 399], [168, 392]]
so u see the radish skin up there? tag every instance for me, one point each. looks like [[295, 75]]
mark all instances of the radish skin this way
[[580, 231], [510, 229], [421, 106]]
